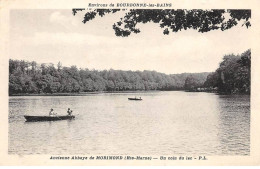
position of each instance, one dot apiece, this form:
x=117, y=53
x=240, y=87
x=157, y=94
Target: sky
x=52, y=36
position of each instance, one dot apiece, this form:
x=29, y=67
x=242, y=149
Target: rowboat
x=138, y=99
x=47, y=118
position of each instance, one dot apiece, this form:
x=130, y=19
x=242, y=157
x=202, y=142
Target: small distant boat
x=139, y=99
x=47, y=118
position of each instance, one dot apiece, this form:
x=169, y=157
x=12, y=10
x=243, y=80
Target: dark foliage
x=29, y=77
x=173, y=20
x=233, y=75
x=194, y=81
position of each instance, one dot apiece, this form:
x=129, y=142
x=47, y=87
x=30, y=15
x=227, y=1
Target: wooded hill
x=30, y=77
x=232, y=77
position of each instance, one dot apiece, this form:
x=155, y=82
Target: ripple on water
x=163, y=123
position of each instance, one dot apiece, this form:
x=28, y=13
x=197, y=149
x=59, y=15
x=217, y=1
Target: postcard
x=129, y=83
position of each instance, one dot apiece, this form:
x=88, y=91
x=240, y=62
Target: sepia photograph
x=129, y=81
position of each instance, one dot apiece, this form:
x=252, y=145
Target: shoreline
x=85, y=93
x=103, y=92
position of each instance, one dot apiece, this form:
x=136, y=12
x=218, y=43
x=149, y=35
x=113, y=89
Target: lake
x=163, y=123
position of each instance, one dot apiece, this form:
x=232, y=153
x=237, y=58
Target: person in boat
x=69, y=112
x=52, y=112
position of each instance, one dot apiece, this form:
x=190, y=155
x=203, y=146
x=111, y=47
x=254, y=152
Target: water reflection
x=234, y=124
x=163, y=123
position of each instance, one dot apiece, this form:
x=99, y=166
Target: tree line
x=30, y=77
x=233, y=75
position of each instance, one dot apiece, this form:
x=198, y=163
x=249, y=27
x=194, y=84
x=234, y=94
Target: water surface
x=164, y=123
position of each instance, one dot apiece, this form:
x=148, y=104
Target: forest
x=232, y=77
x=29, y=77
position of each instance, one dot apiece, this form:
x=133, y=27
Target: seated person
x=52, y=113
x=69, y=112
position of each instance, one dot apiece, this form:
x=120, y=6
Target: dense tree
x=212, y=80
x=233, y=75
x=195, y=81
x=45, y=78
x=173, y=20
